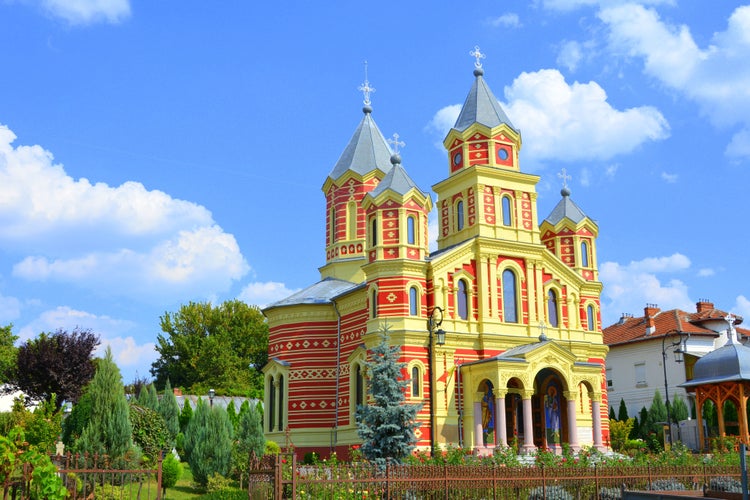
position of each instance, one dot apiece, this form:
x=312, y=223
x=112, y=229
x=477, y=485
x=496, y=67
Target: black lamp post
x=437, y=337
x=677, y=346
x=211, y=394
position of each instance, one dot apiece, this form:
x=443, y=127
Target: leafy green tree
x=186, y=414
x=171, y=472
x=170, y=412
x=204, y=347
x=622, y=412
x=108, y=430
x=150, y=432
x=148, y=397
x=42, y=426
x=619, y=431
x=60, y=363
x=8, y=353
x=75, y=422
x=210, y=444
x=387, y=424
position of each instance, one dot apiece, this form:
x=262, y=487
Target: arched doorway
x=549, y=411
x=488, y=412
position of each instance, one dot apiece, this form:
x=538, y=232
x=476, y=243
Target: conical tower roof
x=396, y=180
x=367, y=150
x=481, y=106
x=566, y=209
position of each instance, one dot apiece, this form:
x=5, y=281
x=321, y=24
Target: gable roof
x=320, y=293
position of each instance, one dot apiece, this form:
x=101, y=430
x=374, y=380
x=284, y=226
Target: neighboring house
x=635, y=368
x=518, y=300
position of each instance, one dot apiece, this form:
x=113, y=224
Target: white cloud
x=742, y=307
x=611, y=170
x=570, y=55
x=10, y=309
x=628, y=288
x=567, y=5
x=716, y=77
x=706, y=271
x=262, y=294
x=81, y=12
x=739, y=146
x=123, y=240
x=507, y=20
x=669, y=178
x=552, y=115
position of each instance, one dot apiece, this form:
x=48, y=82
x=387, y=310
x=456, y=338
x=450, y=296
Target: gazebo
x=720, y=376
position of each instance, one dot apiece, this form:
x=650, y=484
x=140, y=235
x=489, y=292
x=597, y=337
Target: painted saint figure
x=552, y=415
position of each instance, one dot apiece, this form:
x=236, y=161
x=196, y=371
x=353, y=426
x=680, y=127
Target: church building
x=499, y=328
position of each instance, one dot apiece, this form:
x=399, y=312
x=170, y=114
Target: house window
x=507, y=221
x=374, y=231
x=359, y=386
x=460, y=215
x=351, y=215
x=640, y=374
x=411, y=236
x=415, y=379
x=609, y=377
x=463, y=300
x=281, y=403
x=590, y=321
x=552, y=318
x=374, y=303
x=271, y=403
x=413, y=301
x=584, y=254
x=510, y=297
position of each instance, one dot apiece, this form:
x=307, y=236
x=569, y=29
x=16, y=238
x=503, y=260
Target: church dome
x=726, y=364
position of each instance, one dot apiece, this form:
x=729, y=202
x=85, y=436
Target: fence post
x=445, y=480
x=648, y=470
x=158, y=475
x=596, y=481
x=387, y=480
x=294, y=475
x=277, y=484
x=544, y=483
x=494, y=481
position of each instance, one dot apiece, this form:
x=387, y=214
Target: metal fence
x=285, y=478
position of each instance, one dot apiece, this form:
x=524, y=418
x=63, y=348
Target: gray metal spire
x=565, y=209
x=481, y=105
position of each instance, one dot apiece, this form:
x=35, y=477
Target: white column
x=596, y=415
x=478, y=438
x=528, y=425
x=572, y=421
x=501, y=429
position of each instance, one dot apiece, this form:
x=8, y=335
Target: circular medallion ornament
x=457, y=159
x=502, y=153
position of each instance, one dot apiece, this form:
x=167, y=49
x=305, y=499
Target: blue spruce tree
x=386, y=424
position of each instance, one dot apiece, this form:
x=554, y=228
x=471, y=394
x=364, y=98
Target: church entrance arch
x=549, y=410
x=487, y=388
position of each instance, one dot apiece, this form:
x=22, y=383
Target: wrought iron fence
x=285, y=478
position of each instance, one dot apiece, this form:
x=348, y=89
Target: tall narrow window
x=590, y=321
x=411, y=234
x=510, y=297
x=584, y=254
x=359, y=386
x=374, y=231
x=271, y=403
x=506, y=211
x=460, y=215
x=333, y=225
x=552, y=318
x=415, y=392
x=463, y=300
x=281, y=403
x=374, y=303
x=351, y=216
x=413, y=301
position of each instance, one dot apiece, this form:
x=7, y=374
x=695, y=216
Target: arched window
x=552, y=318
x=351, y=215
x=463, y=300
x=590, y=320
x=271, y=403
x=374, y=231
x=460, y=215
x=374, y=303
x=584, y=254
x=415, y=382
x=359, y=386
x=510, y=297
x=507, y=220
x=413, y=301
x=333, y=225
x=281, y=403
x=411, y=230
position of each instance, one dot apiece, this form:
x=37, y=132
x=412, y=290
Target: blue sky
x=154, y=153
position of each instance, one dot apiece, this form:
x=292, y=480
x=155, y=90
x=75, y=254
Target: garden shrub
x=553, y=492
x=610, y=493
x=666, y=485
x=723, y=483
x=272, y=448
x=171, y=472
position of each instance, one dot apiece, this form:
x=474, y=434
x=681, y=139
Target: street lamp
x=211, y=394
x=678, y=347
x=437, y=337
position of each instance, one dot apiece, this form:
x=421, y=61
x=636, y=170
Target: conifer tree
x=622, y=412
x=250, y=437
x=148, y=397
x=195, y=427
x=232, y=414
x=612, y=413
x=185, y=415
x=679, y=410
x=170, y=411
x=386, y=425
x=108, y=430
x=211, y=444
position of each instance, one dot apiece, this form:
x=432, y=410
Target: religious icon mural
x=552, y=414
x=488, y=413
